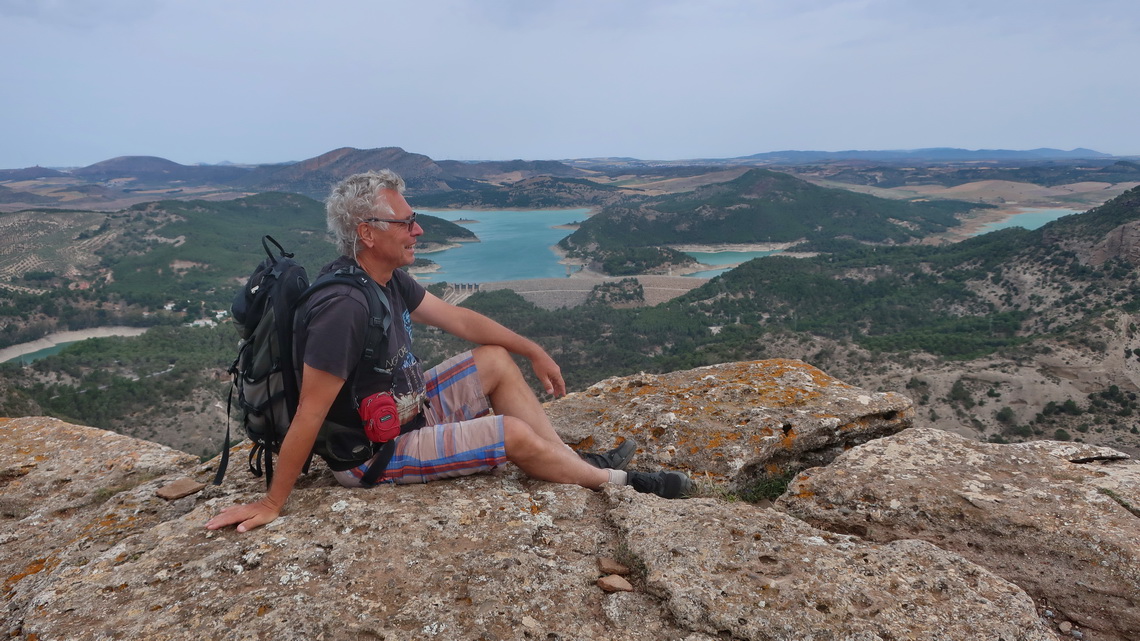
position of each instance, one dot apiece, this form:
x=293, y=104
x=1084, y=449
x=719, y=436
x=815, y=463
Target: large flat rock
x=1060, y=520
x=733, y=571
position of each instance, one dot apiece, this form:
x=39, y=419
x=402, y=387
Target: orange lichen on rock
x=789, y=439
x=35, y=567
x=729, y=419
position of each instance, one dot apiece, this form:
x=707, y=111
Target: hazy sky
x=256, y=81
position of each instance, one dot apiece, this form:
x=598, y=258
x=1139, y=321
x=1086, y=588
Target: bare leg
x=547, y=461
x=509, y=393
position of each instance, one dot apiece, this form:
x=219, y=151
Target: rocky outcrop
x=1121, y=243
x=1058, y=519
x=735, y=423
x=733, y=571
x=103, y=536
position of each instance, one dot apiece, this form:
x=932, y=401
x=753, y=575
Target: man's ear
x=366, y=234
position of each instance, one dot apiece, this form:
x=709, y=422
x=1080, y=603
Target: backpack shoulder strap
x=379, y=309
x=375, y=348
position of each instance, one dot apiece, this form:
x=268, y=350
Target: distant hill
x=509, y=169
x=536, y=192
x=933, y=154
x=151, y=170
x=759, y=206
x=1047, y=174
x=29, y=173
x=314, y=177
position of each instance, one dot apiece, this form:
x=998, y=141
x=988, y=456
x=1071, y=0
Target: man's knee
x=492, y=356
x=519, y=438
x=495, y=366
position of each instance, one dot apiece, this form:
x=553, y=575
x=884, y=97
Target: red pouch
x=380, y=416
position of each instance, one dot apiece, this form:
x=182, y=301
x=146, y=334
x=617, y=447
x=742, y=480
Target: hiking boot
x=615, y=459
x=669, y=485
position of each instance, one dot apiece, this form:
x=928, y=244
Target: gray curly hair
x=354, y=199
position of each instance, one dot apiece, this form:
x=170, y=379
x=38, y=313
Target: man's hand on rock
x=247, y=516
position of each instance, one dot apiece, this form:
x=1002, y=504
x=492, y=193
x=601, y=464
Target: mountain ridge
x=125, y=180
x=934, y=154
x=926, y=153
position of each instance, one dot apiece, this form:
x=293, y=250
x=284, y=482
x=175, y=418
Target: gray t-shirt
x=331, y=331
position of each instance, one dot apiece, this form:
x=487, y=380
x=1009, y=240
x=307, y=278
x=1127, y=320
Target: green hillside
x=760, y=206
x=198, y=250
x=123, y=267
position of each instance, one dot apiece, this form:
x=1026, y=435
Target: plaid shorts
x=461, y=436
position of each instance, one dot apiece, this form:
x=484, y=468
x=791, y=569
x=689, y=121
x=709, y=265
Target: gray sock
x=618, y=477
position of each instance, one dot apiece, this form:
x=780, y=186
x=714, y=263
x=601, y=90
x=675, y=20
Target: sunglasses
x=409, y=221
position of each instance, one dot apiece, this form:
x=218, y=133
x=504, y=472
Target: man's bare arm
x=318, y=391
x=477, y=328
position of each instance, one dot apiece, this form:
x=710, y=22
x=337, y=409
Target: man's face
x=397, y=244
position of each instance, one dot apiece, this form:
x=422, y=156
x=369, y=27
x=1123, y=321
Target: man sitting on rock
x=376, y=231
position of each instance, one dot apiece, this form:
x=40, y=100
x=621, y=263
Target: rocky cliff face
x=893, y=532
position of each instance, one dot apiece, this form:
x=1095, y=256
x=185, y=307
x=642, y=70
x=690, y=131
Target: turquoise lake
x=727, y=259
x=514, y=245
x=1029, y=219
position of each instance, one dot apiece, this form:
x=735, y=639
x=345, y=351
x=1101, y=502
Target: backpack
x=263, y=375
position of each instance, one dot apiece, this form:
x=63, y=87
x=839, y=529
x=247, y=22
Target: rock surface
x=1067, y=532
x=745, y=573
x=735, y=422
x=91, y=551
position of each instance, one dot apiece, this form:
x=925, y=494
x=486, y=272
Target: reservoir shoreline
x=52, y=340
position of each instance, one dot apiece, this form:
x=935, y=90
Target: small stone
x=607, y=565
x=614, y=583
x=1065, y=627
x=178, y=489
